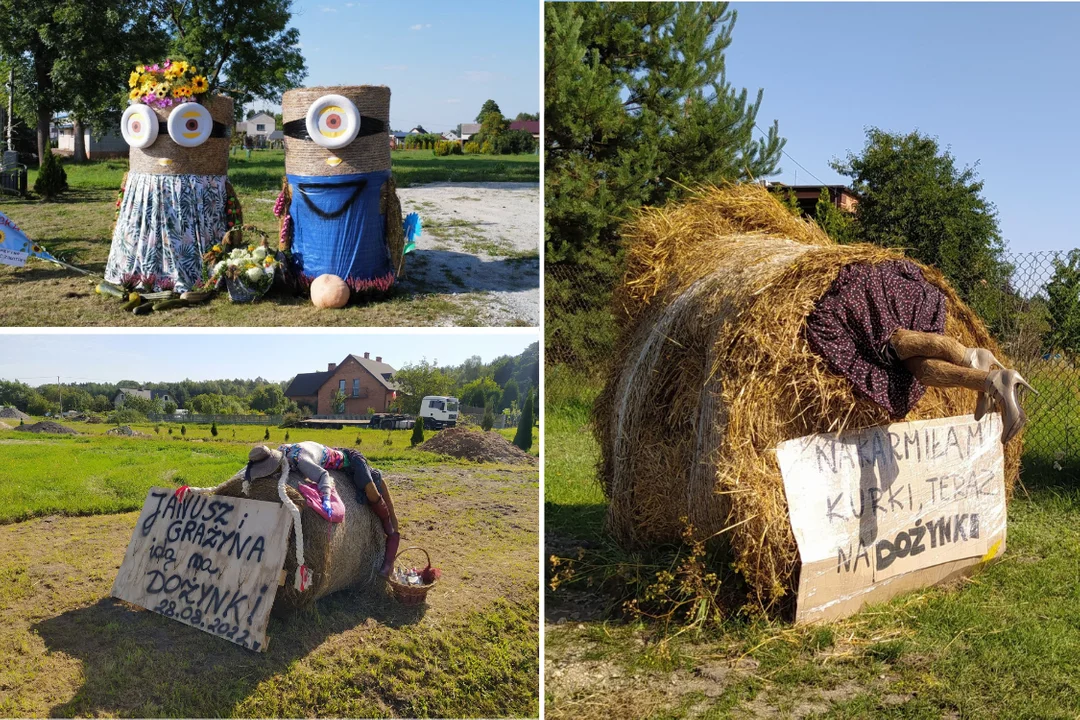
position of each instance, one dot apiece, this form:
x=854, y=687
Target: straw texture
x=349, y=557
x=362, y=155
x=395, y=226
x=712, y=371
x=210, y=158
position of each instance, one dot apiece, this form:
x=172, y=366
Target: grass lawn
x=1004, y=643
x=78, y=229
x=67, y=649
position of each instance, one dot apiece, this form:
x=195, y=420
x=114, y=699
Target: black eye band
x=220, y=130
x=297, y=129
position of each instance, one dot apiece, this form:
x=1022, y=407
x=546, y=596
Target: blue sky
x=441, y=60
x=995, y=81
x=155, y=357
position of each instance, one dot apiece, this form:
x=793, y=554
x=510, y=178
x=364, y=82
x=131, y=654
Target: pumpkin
x=329, y=291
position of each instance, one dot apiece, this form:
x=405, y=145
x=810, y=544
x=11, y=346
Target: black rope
x=302, y=188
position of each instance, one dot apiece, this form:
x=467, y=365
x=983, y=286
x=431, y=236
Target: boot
x=1004, y=387
x=392, y=543
x=982, y=359
x=380, y=508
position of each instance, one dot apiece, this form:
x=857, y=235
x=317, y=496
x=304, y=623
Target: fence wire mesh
x=1034, y=315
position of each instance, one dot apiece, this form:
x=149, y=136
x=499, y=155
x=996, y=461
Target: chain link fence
x=1035, y=316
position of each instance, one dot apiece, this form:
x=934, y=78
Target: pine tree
x=523, y=437
x=266, y=435
x=213, y=429
x=417, y=433
x=51, y=179
x=488, y=420
x=637, y=106
x=183, y=430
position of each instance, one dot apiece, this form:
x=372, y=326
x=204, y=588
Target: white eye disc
x=190, y=124
x=139, y=126
x=332, y=121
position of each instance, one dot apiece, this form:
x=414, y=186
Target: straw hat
x=369, y=151
x=165, y=157
x=263, y=461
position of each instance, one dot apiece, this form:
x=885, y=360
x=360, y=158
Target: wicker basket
x=410, y=594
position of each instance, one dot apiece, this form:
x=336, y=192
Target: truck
x=438, y=412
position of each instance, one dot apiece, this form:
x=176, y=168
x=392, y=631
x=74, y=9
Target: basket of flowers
x=247, y=272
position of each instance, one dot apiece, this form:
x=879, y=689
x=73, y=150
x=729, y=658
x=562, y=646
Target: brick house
x=367, y=383
x=807, y=196
x=530, y=126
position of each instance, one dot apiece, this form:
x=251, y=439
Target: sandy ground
x=480, y=241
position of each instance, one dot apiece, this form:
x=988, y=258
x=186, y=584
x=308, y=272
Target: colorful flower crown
x=170, y=83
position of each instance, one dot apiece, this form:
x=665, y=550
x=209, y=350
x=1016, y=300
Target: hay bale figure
x=339, y=209
x=714, y=370
x=348, y=556
x=175, y=202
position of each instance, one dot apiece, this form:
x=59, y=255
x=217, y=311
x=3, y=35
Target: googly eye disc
x=332, y=121
x=190, y=124
x=139, y=126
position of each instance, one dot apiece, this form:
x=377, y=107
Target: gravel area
x=481, y=242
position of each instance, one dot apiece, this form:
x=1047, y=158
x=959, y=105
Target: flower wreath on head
x=166, y=84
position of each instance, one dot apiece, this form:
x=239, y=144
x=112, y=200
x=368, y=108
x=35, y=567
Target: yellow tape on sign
x=992, y=552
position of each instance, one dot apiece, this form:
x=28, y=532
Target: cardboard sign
x=12, y=257
x=207, y=561
x=888, y=509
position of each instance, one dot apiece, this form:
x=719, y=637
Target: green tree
x=509, y=393
x=417, y=433
x=245, y=47
x=913, y=196
x=266, y=435
x=213, y=429
x=523, y=436
x=636, y=107
x=480, y=392
x=183, y=430
x=417, y=380
x=170, y=407
x=1063, y=305
x=489, y=106
x=488, y=420
x=837, y=224
x=337, y=402
x=527, y=116
x=51, y=179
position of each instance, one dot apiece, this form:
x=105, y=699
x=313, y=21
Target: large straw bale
x=712, y=371
x=349, y=556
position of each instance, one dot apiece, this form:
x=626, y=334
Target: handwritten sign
x=12, y=257
x=208, y=561
x=884, y=510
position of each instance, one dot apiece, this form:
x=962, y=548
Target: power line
x=785, y=152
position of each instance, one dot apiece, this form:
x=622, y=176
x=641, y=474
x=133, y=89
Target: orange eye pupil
x=333, y=122
x=136, y=126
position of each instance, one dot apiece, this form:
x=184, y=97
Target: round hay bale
x=363, y=155
x=712, y=371
x=349, y=557
x=210, y=158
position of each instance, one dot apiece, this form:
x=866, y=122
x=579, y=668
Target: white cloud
x=419, y=26
x=327, y=9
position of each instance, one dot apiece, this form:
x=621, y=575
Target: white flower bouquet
x=248, y=272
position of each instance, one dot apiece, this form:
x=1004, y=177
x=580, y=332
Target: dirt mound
x=126, y=431
x=477, y=446
x=95, y=419
x=4, y=426
x=47, y=426
x=13, y=414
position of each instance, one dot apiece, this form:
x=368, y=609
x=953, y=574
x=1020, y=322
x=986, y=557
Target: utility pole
x=61, y=394
x=11, y=109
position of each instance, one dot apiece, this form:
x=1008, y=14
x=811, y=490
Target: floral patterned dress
x=165, y=224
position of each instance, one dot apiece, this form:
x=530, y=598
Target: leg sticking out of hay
x=713, y=369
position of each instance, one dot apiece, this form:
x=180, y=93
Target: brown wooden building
x=366, y=382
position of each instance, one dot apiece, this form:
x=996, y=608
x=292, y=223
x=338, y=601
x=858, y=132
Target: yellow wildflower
x=133, y=79
x=140, y=68
x=135, y=94
x=199, y=84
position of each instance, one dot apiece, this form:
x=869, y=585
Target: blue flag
x=15, y=247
